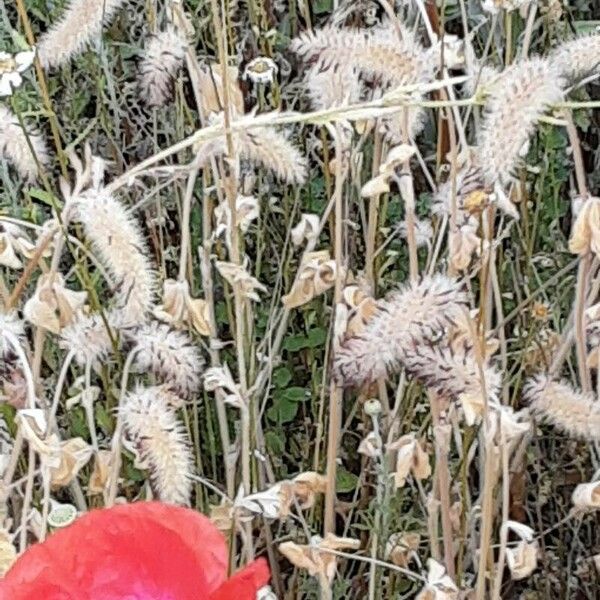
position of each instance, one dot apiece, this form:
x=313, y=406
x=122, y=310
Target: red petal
x=150, y=549
x=244, y=584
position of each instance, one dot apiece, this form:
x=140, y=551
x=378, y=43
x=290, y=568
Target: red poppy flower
x=143, y=551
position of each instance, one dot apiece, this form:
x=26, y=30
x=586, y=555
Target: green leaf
x=345, y=481
x=294, y=394
x=283, y=411
x=275, y=443
x=282, y=376
x=320, y=7
x=317, y=337
x=43, y=196
x=586, y=26
x=295, y=343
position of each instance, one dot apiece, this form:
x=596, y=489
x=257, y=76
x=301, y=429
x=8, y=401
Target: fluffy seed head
x=169, y=355
x=120, y=245
x=420, y=311
x=571, y=411
x=264, y=147
x=163, y=57
x=89, y=338
x=15, y=149
x=385, y=56
x=80, y=25
x=518, y=98
x=577, y=58
x=160, y=439
x=450, y=370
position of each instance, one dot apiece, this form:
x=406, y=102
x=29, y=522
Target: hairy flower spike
x=518, y=98
x=169, y=355
x=163, y=57
x=573, y=412
x=15, y=149
x=451, y=370
x=388, y=57
x=80, y=25
x=420, y=311
x=119, y=243
x=263, y=147
x=161, y=442
x=577, y=58
x=88, y=337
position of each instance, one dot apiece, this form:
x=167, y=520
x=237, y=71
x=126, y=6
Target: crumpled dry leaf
x=307, y=485
x=401, y=548
x=586, y=496
x=371, y=445
x=266, y=503
x=585, y=235
x=53, y=306
x=222, y=516
x=211, y=86
x=439, y=584
x=522, y=559
x=312, y=558
x=463, y=245
x=276, y=502
x=220, y=378
x=236, y=275
x=411, y=458
x=307, y=229
x=247, y=209
x=180, y=309
x=509, y=425
x=98, y=483
x=13, y=241
x=361, y=308
x=74, y=454
x=317, y=273
x=34, y=428
x=395, y=157
x=375, y=187
x=8, y=553
x=473, y=405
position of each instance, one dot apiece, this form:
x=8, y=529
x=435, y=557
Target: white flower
x=261, y=70
x=11, y=67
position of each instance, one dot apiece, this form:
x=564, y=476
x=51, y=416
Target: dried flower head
x=573, y=412
x=120, y=245
x=81, y=24
x=261, y=69
x=15, y=146
x=163, y=57
x=517, y=99
x=161, y=443
x=169, y=355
